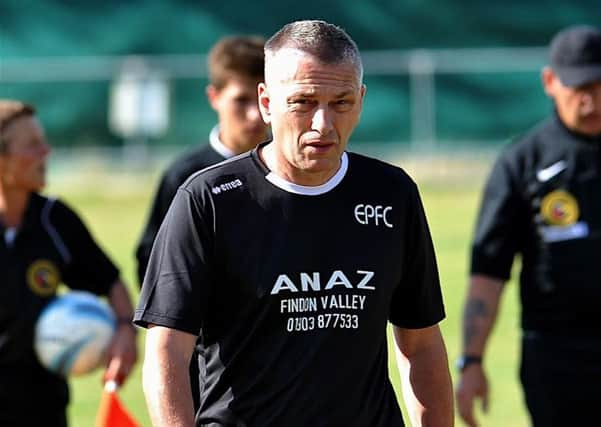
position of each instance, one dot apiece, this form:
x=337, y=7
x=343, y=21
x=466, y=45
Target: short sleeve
x=497, y=229
x=178, y=274
x=417, y=300
x=165, y=192
x=88, y=267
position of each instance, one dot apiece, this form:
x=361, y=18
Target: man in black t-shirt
x=543, y=202
x=236, y=66
x=44, y=244
x=289, y=261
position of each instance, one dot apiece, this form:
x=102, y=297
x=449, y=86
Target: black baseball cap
x=575, y=55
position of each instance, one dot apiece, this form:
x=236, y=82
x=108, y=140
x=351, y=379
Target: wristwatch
x=466, y=360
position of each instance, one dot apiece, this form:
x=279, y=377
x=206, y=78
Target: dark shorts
x=561, y=377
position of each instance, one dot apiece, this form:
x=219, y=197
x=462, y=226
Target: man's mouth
x=320, y=146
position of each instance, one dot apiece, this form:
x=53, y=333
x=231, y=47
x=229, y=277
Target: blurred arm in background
x=479, y=316
x=123, y=353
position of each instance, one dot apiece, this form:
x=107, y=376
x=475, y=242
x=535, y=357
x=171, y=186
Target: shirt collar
x=218, y=145
x=311, y=190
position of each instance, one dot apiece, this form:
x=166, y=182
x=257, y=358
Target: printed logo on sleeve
x=218, y=189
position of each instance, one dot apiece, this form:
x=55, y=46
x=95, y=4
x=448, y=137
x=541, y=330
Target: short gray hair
x=329, y=43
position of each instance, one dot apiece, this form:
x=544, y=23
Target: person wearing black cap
x=543, y=202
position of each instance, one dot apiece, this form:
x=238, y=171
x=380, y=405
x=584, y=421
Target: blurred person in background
x=43, y=244
x=236, y=67
x=543, y=202
x=286, y=264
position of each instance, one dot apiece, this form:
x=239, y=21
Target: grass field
x=114, y=206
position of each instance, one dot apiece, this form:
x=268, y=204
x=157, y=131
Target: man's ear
x=213, y=96
x=363, y=92
x=264, y=100
x=549, y=81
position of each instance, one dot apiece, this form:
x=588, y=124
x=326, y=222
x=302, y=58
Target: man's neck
x=576, y=132
x=12, y=207
x=216, y=142
x=277, y=163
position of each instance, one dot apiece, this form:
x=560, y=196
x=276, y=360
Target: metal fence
x=421, y=67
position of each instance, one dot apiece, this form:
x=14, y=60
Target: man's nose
x=45, y=149
x=587, y=103
x=322, y=120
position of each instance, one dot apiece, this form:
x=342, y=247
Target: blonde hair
x=10, y=110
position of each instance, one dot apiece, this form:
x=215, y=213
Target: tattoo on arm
x=475, y=310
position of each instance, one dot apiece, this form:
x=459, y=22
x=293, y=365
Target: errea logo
x=226, y=186
x=377, y=215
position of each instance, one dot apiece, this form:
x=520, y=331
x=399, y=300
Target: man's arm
x=166, y=379
x=123, y=352
x=479, y=315
x=425, y=378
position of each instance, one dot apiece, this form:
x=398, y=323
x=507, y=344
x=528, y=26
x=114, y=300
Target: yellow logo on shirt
x=43, y=277
x=559, y=208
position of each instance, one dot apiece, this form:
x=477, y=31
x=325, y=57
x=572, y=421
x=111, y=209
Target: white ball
x=73, y=333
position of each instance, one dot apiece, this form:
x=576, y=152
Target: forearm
x=120, y=302
x=167, y=392
x=123, y=352
x=480, y=313
x=425, y=380
x=166, y=380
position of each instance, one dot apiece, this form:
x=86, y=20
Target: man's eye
x=343, y=105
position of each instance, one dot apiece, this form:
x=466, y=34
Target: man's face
x=23, y=164
x=578, y=107
x=313, y=108
x=240, y=122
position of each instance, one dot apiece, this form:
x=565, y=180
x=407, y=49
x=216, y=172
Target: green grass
x=115, y=208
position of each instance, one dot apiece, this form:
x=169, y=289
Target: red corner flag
x=111, y=412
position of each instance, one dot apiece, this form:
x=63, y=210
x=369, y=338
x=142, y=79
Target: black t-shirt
x=174, y=176
x=543, y=201
x=51, y=247
x=290, y=289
